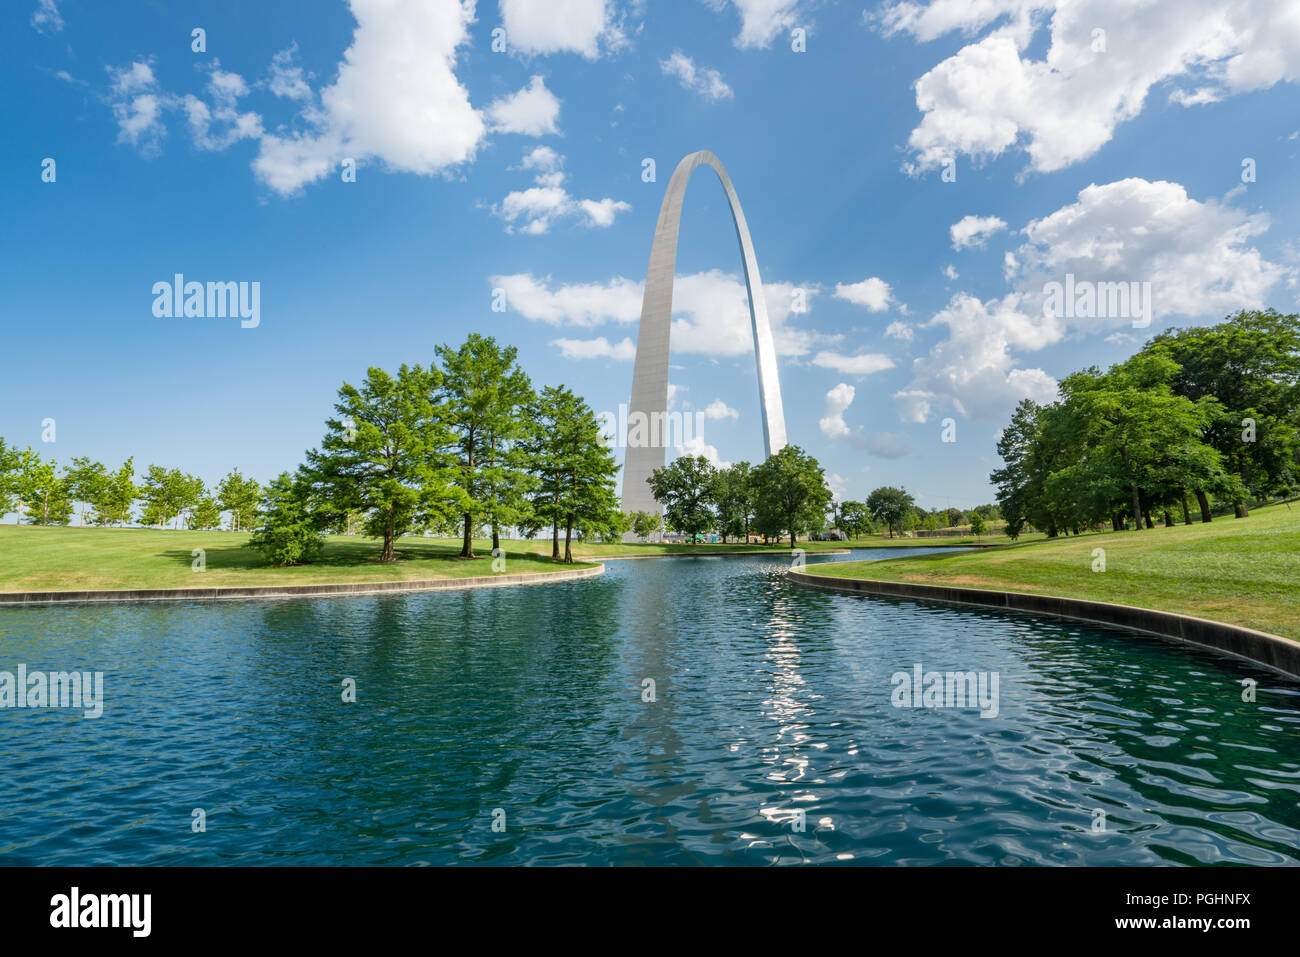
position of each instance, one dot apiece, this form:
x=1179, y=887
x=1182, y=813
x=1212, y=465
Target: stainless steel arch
x=650, y=374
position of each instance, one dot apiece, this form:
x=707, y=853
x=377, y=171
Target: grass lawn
x=72, y=559
x=1241, y=571
x=65, y=559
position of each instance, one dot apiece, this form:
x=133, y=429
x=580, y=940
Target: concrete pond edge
x=1260, y=647
x=320, y=590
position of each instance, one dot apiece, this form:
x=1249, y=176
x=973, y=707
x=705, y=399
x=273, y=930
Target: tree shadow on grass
x=339, y=552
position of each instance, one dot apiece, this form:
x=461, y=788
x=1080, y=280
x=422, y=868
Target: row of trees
x=38, y=492
x=786, y=494
x=1205, y=413
x=895, y=510
x=466, y=443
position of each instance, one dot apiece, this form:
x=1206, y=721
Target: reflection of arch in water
x=650, y=375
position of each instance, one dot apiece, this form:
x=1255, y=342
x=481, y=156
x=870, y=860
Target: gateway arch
x=650, y=376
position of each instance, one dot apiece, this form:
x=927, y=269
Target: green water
x=524, y=707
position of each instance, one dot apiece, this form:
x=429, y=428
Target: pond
x=673, y=711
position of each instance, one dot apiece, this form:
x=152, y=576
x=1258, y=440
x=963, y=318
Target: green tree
x=1250, y=365
x=487, y=397
x=288, y=531
x=1139, y=436
x=573, y=469
x=167, y=494
x=86, y=482
x=44, y=492
x=386, y=454
x=977, y=524
x=645, y=524
x=116, y=496
x=891, y=507
x=685, y=489
x=736, y=499
x=611, y=530
x=239, y=497
x=10, y=469
x=792, y=493
x=206, y=514
x=855, y=519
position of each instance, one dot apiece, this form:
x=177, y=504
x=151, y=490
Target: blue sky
x=1113, y=157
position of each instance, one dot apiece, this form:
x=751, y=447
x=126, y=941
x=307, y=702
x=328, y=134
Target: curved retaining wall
x=295, y=591
x=1260, y=647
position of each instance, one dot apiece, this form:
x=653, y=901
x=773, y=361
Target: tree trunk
x=1239, y=510
x=1137, y=508
x=1147, y=516
x=496, y=538
x=568, y=539
x=1187, y=512
x=1203, y=500
x=1169, y=519
x=467, y=543
x=387, y=554
x=555, y=540
x=1115, y=523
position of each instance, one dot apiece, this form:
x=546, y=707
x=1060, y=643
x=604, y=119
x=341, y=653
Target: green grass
x=74, y=559
x=1240, y=571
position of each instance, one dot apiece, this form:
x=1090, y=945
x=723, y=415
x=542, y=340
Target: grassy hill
x=1241, y=571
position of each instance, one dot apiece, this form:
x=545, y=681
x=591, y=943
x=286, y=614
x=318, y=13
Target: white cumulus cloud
x=874, y=294
x=585, y=27
x=864, y=364
x=706, y=82
x=531, y=111
x=974, y=231
x=396, y=99
x=1100, y=62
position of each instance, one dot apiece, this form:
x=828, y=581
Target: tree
x=611, y=529
x=205, y=514
x=288, y=531
x=891, y=507
x=685, y=488
x=977, y=524
x=116, y=495
x=736, y=499
x=43, y=491
x=239, y=496
x=645, y=524
x=387, y=455
x=486, y=398
x=167, y=493
x=1250, y=365
x=792, y=492
x=86, y=481
x=1139, y=436
x=10, y=461
x=855, y=519
x=573, y=469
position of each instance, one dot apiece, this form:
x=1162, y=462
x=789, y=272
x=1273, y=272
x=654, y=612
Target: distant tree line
x=785, y=496
x=1205, y=415
x=38, y=492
